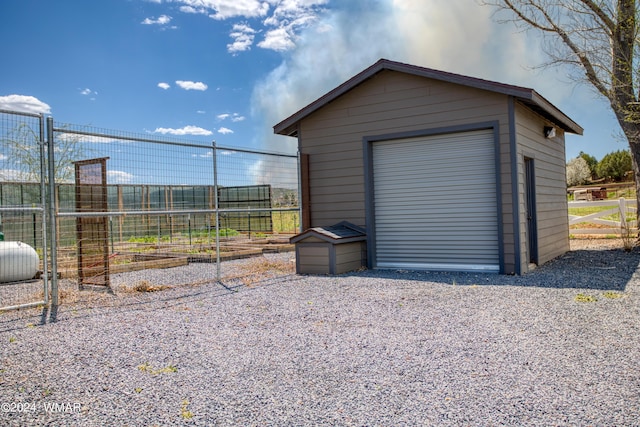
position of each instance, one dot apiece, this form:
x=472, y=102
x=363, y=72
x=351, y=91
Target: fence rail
x=161, y=198
x=619, y=219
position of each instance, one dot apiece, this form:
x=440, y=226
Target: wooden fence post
x=624, y=226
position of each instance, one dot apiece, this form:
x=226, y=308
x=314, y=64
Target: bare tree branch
x=600, y=38
x=600, y=13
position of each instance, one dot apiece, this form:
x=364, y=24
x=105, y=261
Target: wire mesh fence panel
x=172, y=202
x=23, y=238
x=253, y=181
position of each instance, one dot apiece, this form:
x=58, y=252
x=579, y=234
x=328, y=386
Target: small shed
x=335, y=249
x=443, y=171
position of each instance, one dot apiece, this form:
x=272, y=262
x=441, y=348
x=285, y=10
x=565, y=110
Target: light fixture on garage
x=549, y=131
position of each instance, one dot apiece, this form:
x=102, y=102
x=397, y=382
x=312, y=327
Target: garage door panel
x=444, y=258
x=437, y=244
x=454, y=167
x=408, y=181
x=435, y=233
x=422, y=219
x=416, y=229
x=435, y=215
x=435, y=202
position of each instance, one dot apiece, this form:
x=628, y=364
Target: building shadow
x=606, y=270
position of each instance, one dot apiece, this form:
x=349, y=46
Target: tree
x=598, y=39
x=615, y=165
x=578, y=172
x=592, y=162
x=21, y=155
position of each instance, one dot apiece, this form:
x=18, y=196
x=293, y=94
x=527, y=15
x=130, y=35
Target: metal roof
x=343, y=232
x=528, y=97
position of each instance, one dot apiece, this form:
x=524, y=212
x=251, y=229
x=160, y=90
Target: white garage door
x=435, y=202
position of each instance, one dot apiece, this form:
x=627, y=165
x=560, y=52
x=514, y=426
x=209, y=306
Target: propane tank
x=18, y=261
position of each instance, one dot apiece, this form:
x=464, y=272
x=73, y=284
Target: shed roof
x=529, y=97
x=343, y=232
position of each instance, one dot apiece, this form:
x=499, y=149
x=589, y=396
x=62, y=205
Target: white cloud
x=289, y=18
x=187, y=130
x=119, y=177
x=24, y=103
x=295, y=12
x=3, y=157
x=189, y=85
x=191, y=9
x=225, y=9
x=242, y=36
x=279, y=39
x=206, y=155
x=163, y=85
x=74, y=137
x=88, y=92
x=224, y=131
x=283, y=18
x=235, y=117
x=162, y=20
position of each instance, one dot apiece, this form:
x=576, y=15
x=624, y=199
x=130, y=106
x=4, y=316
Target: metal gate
x=159, y=196
x=24, y=239
x=93, y=243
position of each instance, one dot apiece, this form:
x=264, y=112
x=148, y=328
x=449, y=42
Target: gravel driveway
x=559, y=346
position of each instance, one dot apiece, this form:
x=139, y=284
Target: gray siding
x=550, y=179
x=388, y=103
x=349, y=257
x=312, y=258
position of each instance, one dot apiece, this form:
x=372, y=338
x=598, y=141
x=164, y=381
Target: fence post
x=43, y=201
x=215, y=207
x=53, y=211
x=624, y=227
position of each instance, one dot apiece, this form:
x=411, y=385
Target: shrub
x=615, y=165
x=578, y=172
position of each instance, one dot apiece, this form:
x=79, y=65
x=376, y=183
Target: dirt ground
x=595, y=243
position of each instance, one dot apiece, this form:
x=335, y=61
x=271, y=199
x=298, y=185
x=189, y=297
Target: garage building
x=443, y=171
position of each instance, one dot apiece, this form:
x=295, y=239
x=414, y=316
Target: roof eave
x=289, y=126
x=325, y=238
x=555, y=115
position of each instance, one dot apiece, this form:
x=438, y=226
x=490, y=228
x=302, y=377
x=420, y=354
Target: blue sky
x=228, y=70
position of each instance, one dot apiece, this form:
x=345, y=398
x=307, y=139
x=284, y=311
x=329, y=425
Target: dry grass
x=250, y=273
x=258, y=269
x=598, y=242
x=146, y=286
x=71, y=294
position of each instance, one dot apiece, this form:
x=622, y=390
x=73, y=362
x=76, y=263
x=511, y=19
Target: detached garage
x=443, y=171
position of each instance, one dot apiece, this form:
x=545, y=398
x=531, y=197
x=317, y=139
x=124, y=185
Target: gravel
x=558, y=346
